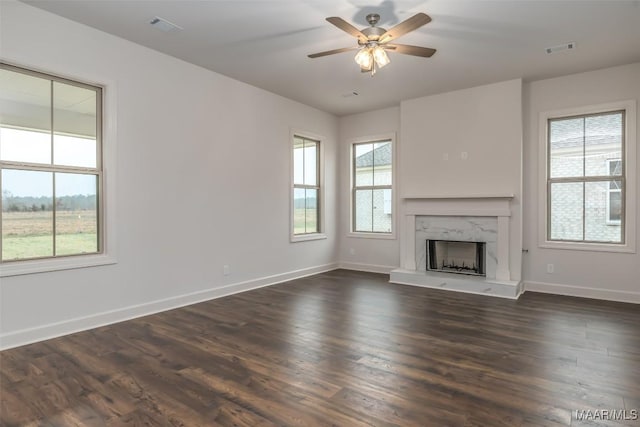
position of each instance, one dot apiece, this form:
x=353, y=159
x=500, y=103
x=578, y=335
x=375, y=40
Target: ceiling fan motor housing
x=372, y=33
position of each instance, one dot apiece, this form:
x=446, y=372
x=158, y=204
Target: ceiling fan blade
x=425, y=52
x=413, y=23
x=331, y=52
x=345, y=26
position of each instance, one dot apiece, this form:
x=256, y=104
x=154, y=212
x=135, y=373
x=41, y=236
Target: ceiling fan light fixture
x=364, y=58
x=380, y=56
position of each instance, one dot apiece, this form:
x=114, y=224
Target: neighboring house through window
x=50, y=166
x=586, y=179
x=372, y=187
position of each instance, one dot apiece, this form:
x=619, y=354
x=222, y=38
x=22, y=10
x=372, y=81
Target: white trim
x=630, y=182
x=293, y=238
x=446, y=211
x=460, y=196
x=382, y=236
x=370, y=268
x=306, y=237
x=65, y=327
x=19, y=268
x=389, y=136
x=109, y=191
x=582, y=292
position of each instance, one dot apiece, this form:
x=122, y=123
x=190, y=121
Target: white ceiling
x=265, y=42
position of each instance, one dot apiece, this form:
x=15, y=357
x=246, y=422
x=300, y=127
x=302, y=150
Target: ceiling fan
x=373, y=42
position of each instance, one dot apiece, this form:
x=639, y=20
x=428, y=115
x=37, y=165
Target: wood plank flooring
x=337, y=349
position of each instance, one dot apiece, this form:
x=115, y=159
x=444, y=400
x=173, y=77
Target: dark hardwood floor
x=337, y=349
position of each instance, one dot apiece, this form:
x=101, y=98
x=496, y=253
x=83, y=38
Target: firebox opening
x=456, y=257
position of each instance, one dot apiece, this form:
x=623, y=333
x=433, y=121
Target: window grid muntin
x=585, y=179
x=305, y=186
x=372, y=187
x=52, y=168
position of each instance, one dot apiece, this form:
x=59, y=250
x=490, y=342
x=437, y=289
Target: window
x=306, y=186
x=50, y=166
x=586, y=178
x=372, y=191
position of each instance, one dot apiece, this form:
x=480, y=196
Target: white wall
x=368, y=253
x=485, y=122
x=590, y=274
x=202, y=181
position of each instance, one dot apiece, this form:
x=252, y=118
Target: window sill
x=383, y=236
x=54, y=264
x=593, y=247
x=307, y=237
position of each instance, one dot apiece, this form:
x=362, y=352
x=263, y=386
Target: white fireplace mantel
x=462, y=205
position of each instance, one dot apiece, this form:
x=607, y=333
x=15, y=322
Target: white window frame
x=364, y=140
x=108, y=200
x=294, y=238
x=630, y=165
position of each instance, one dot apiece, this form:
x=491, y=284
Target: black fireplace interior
x=456, y=257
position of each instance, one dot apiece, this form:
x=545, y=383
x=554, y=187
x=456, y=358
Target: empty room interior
x=304, y=213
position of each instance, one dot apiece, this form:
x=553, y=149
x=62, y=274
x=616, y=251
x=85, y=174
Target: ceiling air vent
x=560, y=47
x=164, y=25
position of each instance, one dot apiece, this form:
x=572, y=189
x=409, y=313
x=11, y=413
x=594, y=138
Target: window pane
x=603, y=141
x=388, y=201
x=74, y=125
x=566, y=144
x=381, y=220
x=598, y=226
x=363, y=164
x=27, y=214
x=22, y=145
x=74, y=151
x=566, y=211
x=614, y=209
x=299, y=203
x=382, y=157
x=298, y=161
x=615, y=167
x=311, y=211
x=76, y=214
x=310, y=163
x=363, y=206
x=25, y=118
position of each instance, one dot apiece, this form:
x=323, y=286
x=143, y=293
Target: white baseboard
x=54, y=330
x=370, y=268
x=579, y=291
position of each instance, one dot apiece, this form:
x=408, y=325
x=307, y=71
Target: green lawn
x=42, y=246
x=302, y=216
x=29, y=234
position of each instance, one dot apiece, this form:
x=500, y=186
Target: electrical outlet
x=226, y=270
x=464, y=155
x=352, y=251
x=550, y=268
x=445, y=156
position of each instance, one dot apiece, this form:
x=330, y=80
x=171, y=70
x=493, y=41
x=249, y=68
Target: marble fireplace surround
x=477, y=218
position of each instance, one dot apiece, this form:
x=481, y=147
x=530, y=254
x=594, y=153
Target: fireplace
x=466, y=219
x=451, y=256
